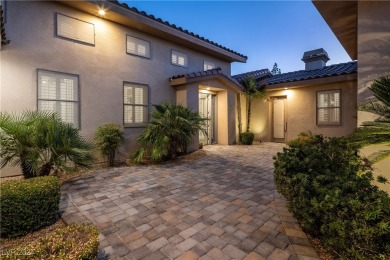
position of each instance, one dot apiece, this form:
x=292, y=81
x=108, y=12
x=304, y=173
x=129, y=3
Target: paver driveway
x=221, y=206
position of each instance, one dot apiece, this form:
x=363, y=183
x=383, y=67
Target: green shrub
x=247, y=138
x=72, y=242
x=40, y=142
x=27, y=205
x=109, y=137
x=328, y=189
x=168, y=133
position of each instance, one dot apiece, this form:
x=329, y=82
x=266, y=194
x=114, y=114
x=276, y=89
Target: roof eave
x=229, y=81
x=124, y=16
x=341, y=17
x=312, y=82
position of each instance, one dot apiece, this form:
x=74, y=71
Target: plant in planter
x=252, y=91
x=109, y=137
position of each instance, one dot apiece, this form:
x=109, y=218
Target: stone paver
x=221, y=206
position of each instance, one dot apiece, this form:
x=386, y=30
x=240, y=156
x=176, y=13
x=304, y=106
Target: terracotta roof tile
x=257, y=74
x=216, y=71
x=327, y=71
x=135, y=10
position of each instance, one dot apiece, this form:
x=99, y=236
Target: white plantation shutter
x=135, y=104
x=328, y=107
x=137, y=46
x=58, y=92
x=179, y=58
x=75, y=29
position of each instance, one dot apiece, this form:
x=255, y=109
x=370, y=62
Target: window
x=208, y=65
x=59, y=92
x=74, y=29
x=179, y=58
x=137, y=47
x=135, y=104
x=328, y=107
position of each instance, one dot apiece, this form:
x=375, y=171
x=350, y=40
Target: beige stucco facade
x=363, y=28
x=103, y=68
x=300, y=109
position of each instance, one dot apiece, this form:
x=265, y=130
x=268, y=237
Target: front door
x=207, y=105
x=279, y=119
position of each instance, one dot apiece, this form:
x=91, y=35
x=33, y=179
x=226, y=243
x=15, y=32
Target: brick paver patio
x=222, y=206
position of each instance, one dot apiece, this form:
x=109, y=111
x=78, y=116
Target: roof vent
x=315, y=59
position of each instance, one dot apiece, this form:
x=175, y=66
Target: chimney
x=315, y=59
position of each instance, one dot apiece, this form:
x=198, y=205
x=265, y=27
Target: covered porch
x=212, y=94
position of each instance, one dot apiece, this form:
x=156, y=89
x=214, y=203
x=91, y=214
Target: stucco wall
x=373, y=47
x=102, y=68
x=301, y=112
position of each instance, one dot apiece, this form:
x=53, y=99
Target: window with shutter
x=137, y=47
x=179, y=58
x=58, y=92
x=329, y=107
x=208, y=65
x=135, y=104
x=75, y=29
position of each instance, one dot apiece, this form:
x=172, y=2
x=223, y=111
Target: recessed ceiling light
x=102, y=12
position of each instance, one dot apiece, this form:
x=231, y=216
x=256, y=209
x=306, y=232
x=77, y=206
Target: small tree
x=275, y=70
x=40, y=143
x=252, y=91
x=169, y=132
x=109, y=137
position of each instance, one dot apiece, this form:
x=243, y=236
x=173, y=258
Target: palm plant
x=252, y=91
x=40, y=143
x=169, y=132
x=378, y=131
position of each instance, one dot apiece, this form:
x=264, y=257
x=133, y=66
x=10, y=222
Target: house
x=363, y=28
x=320, y=99
x=102, y=61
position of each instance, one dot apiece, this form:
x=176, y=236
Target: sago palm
x=378, y=131
x=168, y=134
x=40, y=143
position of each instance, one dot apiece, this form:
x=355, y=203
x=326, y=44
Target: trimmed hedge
x=328, y=189
x=73, y=242
x=27, y=205
x=247, y=138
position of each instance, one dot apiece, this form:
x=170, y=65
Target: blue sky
x=265, y=31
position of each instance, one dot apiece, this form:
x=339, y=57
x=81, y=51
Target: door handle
x=285, y=127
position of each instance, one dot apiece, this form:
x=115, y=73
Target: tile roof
x=327, y=71
x=199, y=74
x=2, y=28
x=135, y=10
x=257, y=74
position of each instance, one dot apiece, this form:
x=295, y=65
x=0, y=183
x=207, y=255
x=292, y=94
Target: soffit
x=341, y=17
x=122, y=14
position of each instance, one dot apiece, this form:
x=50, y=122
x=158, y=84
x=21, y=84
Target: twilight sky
x=265, y=31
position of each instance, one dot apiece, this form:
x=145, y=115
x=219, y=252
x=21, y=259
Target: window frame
x=72, y=39
x=135, y=54
x=209, y=63
x=177, y=64
x=135, y=125
x=339, y=123
x=78, y=101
